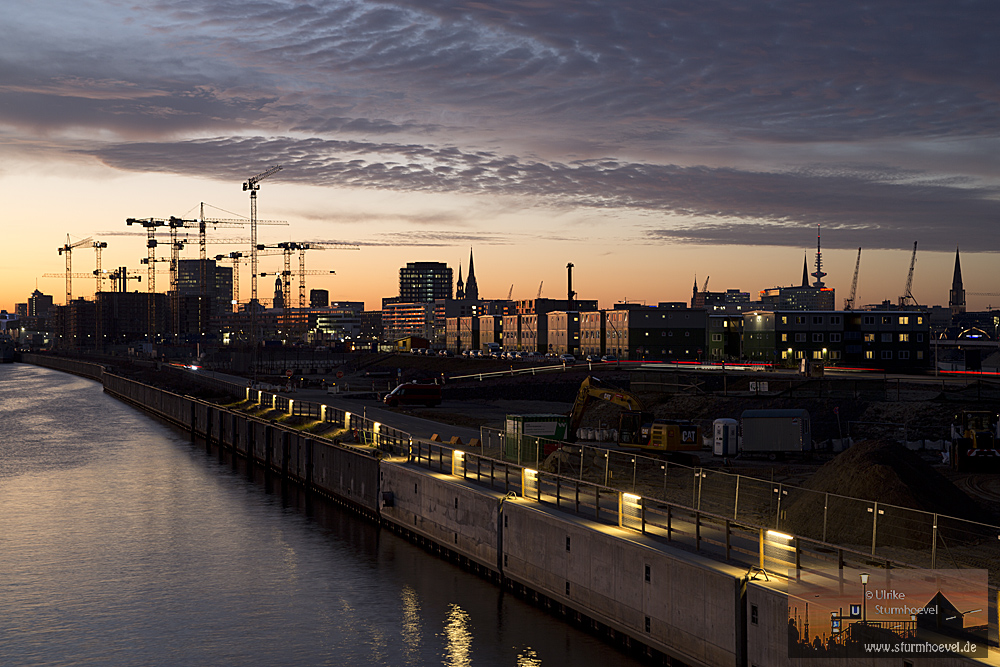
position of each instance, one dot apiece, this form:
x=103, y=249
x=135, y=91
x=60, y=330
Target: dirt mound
x=878, y=472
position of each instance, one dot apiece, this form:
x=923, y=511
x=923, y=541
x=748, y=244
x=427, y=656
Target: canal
x=123, y=543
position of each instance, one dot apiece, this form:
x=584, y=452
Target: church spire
x=805, y=271
x=471, y=288
x=956, y=297
x=460, y=286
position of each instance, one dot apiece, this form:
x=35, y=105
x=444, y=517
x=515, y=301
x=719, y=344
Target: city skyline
x=645, y=143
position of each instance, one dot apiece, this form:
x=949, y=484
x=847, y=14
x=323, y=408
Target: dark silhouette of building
x=279, y=296
x=39, y=304
x=319, y=298
x=471, y=287
x=956, y=297
x=423, y=282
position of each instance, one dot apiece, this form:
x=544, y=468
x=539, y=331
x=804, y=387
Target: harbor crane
x=67, y=249
x=907, y=298
x=849, y=301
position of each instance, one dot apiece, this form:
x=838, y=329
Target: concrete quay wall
x=679, y=604
x=83, y=368
x=440, y=509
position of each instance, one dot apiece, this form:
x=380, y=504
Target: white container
x=726, y=431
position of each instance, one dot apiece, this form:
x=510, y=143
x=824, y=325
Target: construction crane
x=540, y=289
x=98, y=246
x=302, y=247
x=252, y=185
x=120, y=277
x=235, y=259
x=704, y=287
x=907, y=298
x=849, y=301
x=68, y=251
x=150, y=224
x=511, y=292
x=203, y=223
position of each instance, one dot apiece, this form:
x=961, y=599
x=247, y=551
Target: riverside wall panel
x=83, y=368
x=692, y=607
x=458, y=517
x=348, y=474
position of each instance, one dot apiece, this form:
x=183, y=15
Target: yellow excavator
x=975, y=449
x=637, y=429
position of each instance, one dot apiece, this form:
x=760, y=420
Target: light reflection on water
x=122, y=544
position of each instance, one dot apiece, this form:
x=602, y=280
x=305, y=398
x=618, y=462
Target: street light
x=864, y=598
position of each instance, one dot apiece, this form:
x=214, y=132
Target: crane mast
x=252, y=185
x=849, y=301
x=68, y=251
x=907, y=298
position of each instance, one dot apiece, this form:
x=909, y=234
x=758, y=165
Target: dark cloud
x=433, y=239
x=875, y=207
x=766, y=70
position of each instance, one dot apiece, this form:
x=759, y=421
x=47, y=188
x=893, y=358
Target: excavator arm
x=593, y=388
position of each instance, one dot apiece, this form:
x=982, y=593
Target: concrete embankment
x=493, y=518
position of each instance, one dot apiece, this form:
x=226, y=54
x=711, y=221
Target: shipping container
x=773, y=433
x=524, y=433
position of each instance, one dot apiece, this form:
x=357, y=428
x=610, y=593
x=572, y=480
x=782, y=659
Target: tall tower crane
x=203, y=223
x=150, y=224
x=68, y=251
x=235, y=259
x=907, y=298
x=252, y=185
x=849, y=301
x=302, y=247
x=98, y=246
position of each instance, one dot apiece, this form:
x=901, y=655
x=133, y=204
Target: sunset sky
x=646, y=142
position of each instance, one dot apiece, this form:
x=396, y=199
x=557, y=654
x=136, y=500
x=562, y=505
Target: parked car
x=567, y=358
x=609, y=357
x=414, y=394
x=593, y=357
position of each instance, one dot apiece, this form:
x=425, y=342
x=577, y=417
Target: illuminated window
x=904, y=319
x=869, y=338
x=869, y=354
x=904, y=338
x=784, y=338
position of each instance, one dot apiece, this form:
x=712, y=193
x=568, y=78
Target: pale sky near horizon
x=647, y=142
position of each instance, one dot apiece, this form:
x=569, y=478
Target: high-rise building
x=319, y=298
x=423, y=282
x=39, y=304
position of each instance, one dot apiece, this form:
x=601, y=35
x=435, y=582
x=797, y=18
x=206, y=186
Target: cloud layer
x=740, y=123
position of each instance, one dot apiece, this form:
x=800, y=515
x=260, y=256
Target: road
x=374, y=410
